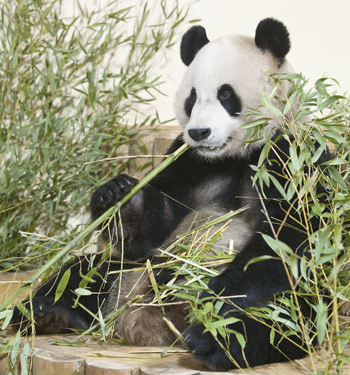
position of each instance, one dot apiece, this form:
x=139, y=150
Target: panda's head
x=223, y=79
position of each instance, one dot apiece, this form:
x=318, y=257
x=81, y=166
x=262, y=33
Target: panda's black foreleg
x=49, y=317
x=145, y=222
x=255, y=283
x=60, y=317
x=108, y=195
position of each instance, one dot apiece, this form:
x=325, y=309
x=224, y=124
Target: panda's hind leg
x=52, y=315
x=145, y=326
x=225, y=354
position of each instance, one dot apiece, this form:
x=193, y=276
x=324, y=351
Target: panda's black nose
x=199, y=134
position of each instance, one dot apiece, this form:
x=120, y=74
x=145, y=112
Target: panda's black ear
x=192, y=41
x=273, y=36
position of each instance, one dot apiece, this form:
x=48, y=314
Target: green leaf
x=24, y=357
x=329, y=101
x=336, y=176
x=293, y=262
x=240, y=338
x=23, y=310
x=258, y=259
x=277, y=246
x=86, y=279
x=83, y=292
x=253, y=124
x=297, y=164
x=310, y=182
x=303, y=268
x=278, y=186
x=321, y=321
x=102, y=323
x=272, y=336
x=290, y=102
x=15, y=58
x=5, y=313
x=61, y=287
x=208, y=307
x=212, y=326
x=15, y=347
x=8, y=318
x=334, y=137
x=272, y=107
x=336, y=161
x=301, y=114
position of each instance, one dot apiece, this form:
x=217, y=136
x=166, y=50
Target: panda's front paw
x=110, y=193
x=207, y=349
x=49, y=317
x=219, y=285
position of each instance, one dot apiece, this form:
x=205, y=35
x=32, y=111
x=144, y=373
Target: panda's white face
x=222, y=81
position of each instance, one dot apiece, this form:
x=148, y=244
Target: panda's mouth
x=213, y=148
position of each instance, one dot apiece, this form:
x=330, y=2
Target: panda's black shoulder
x=184, y=167
x=178, y=142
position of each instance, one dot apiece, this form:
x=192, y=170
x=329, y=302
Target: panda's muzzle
x=199, y=134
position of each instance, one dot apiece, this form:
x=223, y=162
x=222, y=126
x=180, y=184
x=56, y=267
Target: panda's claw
x=110, y=193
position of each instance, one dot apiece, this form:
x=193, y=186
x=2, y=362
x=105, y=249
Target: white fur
x=233, y=60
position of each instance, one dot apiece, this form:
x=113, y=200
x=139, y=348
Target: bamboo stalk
x=111, y=211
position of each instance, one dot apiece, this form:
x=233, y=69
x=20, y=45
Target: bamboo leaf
x=321, y=321
x=277, y=246
x=272, y=107
x=8, y=317
x=220, y=323
x=259, y=259
x=252, y=124
x=83, y=292
x=61, y=287
x=15, y=58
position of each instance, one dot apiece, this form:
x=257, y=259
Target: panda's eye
x=225, y=95
x=229, y=100
x=193, y=94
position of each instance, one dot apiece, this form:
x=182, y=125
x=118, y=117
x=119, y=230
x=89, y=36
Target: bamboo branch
x=110, y=212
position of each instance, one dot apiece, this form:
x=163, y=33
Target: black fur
x=273, y=36
x=230, y=100
x=193, y=40
x=190, y=102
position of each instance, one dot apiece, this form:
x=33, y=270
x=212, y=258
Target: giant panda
x=223, y=78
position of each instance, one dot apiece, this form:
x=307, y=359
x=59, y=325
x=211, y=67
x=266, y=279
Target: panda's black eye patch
x=229, y=100
x=193, y=94
x=190, y=102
